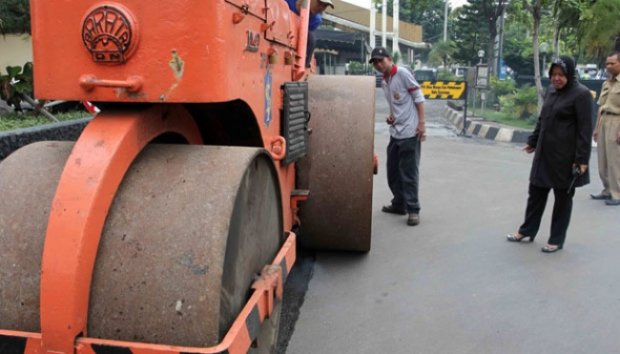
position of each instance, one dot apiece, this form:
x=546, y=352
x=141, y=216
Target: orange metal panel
x=279, y=23
x=183, y=51
x=179, y=51
x=252, y=7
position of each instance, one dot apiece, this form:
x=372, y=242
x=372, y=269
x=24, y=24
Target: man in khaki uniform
x=607, y=134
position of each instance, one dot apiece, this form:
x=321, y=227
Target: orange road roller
x=170, y=225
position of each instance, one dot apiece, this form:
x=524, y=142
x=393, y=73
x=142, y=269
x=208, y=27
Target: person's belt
x=611, y=113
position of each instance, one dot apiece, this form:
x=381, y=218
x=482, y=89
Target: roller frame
x=103, y=153
x=268, y=289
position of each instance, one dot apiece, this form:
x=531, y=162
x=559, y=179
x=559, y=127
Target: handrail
x=299, y=69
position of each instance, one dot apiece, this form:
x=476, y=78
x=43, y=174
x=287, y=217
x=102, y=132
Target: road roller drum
x=338, y=170
x=188, y=232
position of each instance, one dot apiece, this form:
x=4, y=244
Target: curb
x=486, y=131
x=14, y=139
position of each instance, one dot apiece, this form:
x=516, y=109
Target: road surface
x=453, y=284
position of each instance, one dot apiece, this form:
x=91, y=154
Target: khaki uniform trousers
x=609, y=155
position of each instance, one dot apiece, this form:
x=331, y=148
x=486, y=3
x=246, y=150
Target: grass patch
x=507, y=119
x=13, y=121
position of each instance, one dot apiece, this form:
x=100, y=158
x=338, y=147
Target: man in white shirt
x=407, y=131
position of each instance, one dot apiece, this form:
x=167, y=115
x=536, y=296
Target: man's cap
x=378, y=53
x=328, y=2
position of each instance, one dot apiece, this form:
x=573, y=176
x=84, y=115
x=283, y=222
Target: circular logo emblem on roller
x=110, y=33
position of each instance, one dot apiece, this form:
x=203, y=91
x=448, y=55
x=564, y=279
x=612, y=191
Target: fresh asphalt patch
x=295, y=290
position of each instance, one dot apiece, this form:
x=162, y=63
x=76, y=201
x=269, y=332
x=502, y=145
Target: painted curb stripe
x=502, y=134
x=477, y=128
x=520, y=136
x=492, y=133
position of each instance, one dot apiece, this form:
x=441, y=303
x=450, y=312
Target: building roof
x=361, y=16
x=346, y=38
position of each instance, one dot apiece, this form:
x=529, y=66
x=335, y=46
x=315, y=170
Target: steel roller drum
x=28, y=179
x=338, y=169
x=188, y=230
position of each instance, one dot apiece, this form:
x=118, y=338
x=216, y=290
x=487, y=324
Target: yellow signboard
x=443, y=90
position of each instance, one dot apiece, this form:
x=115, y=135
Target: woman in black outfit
x=562, y=143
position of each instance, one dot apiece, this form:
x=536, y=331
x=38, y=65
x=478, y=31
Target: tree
x=600, y=27
x=487, y=12
x=518, y=46
x=565, y=13
x=441, y=53
x=534, y=7
x=427, y=13
x=14, y=16
x=468, y=36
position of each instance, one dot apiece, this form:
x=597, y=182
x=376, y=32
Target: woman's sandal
x=551, y=248
x=515, y=238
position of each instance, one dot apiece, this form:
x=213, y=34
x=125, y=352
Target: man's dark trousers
x=562, y=208
x=403, y=162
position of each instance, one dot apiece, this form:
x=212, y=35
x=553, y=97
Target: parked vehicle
x=425, y=75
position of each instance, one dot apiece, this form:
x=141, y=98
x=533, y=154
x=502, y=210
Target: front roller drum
x=188, y=231
x=338, y=169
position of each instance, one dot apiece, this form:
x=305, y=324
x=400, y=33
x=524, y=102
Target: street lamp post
x=445, y=21
x=480, y=55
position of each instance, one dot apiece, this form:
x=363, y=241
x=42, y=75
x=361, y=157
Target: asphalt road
x=453, y=284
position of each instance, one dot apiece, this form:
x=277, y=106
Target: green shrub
x=507, y=103
x=17, y=82
x=526, y=100
x=18, y=120
x=502, y=87
x=522, y=103
x=446, y=75
x=357, y=68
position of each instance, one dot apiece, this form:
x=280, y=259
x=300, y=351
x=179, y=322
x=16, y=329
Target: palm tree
x=441, y=53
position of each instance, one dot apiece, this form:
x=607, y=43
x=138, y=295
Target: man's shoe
x=600, y=196
x=393, y=210
x=613, y=202
x=413, y=219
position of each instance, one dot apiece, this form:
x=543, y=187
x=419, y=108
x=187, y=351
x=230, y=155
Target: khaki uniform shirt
x=610, y=96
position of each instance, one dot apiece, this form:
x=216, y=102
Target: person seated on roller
x=317, y=7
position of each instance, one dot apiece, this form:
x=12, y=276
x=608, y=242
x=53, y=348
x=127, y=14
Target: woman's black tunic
x=563, y=136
